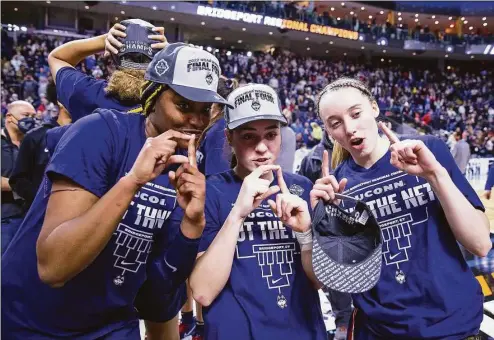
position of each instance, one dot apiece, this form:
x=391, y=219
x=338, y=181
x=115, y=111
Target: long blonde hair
x=339, y=153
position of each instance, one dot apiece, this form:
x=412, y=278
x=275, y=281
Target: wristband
x=304, y=239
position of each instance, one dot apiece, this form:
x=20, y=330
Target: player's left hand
x=292, y=210
x=411, y=156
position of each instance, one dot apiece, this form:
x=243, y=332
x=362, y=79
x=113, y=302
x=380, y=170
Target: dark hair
x=150, y=92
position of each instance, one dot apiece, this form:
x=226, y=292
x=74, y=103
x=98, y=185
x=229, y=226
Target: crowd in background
x=445, y=103
x=307, y=11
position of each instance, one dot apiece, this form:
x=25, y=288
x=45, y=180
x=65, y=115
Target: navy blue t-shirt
x=95, y=152
x=82, y=94
x=212, y=156
x=268, y=294
x=426, y=289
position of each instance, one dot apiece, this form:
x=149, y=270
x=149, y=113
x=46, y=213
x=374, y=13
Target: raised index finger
x=390, y=134
x=192, y=152
x=281, y=182
x=325, y=164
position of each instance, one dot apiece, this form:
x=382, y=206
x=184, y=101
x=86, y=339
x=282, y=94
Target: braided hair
x=150, y=92
x=340, y=154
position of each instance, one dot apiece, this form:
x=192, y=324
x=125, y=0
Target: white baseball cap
x=253, y=102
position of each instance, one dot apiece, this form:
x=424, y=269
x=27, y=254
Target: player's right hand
x=112, y=45
x=326, y=186
x=254, y=190
x=156, y=155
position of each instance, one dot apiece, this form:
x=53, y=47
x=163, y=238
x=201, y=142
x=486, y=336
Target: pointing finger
x=192, y=152
x=390, y=134
x=325, y=164
x=281, y=182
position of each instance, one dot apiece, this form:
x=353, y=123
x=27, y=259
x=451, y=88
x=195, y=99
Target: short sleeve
x=78, y=92
x=212, y=213
x=85, y=154
x=444, y=156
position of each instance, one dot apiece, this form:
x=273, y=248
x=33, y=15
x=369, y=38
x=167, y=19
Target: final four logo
x=256, y=105
x=161, y=67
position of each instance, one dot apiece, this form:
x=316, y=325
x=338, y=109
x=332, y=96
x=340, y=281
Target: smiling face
x=350, y=119
x=256, y=143
x=172, y=111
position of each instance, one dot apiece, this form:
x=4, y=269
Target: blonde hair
x=339, y=153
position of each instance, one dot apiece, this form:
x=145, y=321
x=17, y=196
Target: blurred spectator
x=461, y=153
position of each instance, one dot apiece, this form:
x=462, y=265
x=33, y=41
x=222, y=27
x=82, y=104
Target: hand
x=113, y=45
x=326, y=186
x=190, y=184
x=290, y=209
x=411, y=156
x=156, y=155
x=487, y=194
x=254, y=190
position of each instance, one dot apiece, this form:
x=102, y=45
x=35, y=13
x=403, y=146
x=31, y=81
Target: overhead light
x=308, y=48
x=249, y=54
x=209, y=49
x=16, y=9
x=240, y=41
x=344, y=54
x=331, y=42
x=216, y=51
x=173, y=6
x=472, y=57
x=484, y=24
x=172, y=19
x=122, y=12
x=433, y=17
x=384, y=51
x=470, y=28
x=23, y=28
x=449, y=67
x=361, y=38
x=228, y=53
x=399, y=19
x=382, y=59
x=414, y=53
x=327, y=51
x=389, y=60
x=362, y=8
x=338, y=18
x=450, y=18
x=446, y=56
x=116, y=18
x=436, y=22
x=399, y=13
x=306, y=38
x=484, y=19
x=244, y=29
x=343, y=4
x=382, y=12
x=154, y=8
x=203, y=23
x=217, y=38
x=270, y=33
x=416, y=20
x=449, y=49
x=401, y=25
x=352, y=13
x=363, y=47
x=462, y=18
x=451, y=26
x=48, y=1
x=416, y=15
x=86, y=7
x=370, y=16
x=332, y=9
x=465, y=22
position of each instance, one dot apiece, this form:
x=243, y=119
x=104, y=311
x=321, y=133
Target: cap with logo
x=136, y=51
x=253, y=102
x=346, y=248
x=191, y=72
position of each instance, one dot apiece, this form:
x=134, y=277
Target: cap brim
x=235, y=124
x=199, y=95
x=345, y=278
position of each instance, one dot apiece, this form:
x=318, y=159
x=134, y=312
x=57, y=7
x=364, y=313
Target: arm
x=77, y=227
x=5, y=184
x=21, y=180
x=208, y=277
x=73, y=52
x=469, y=225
